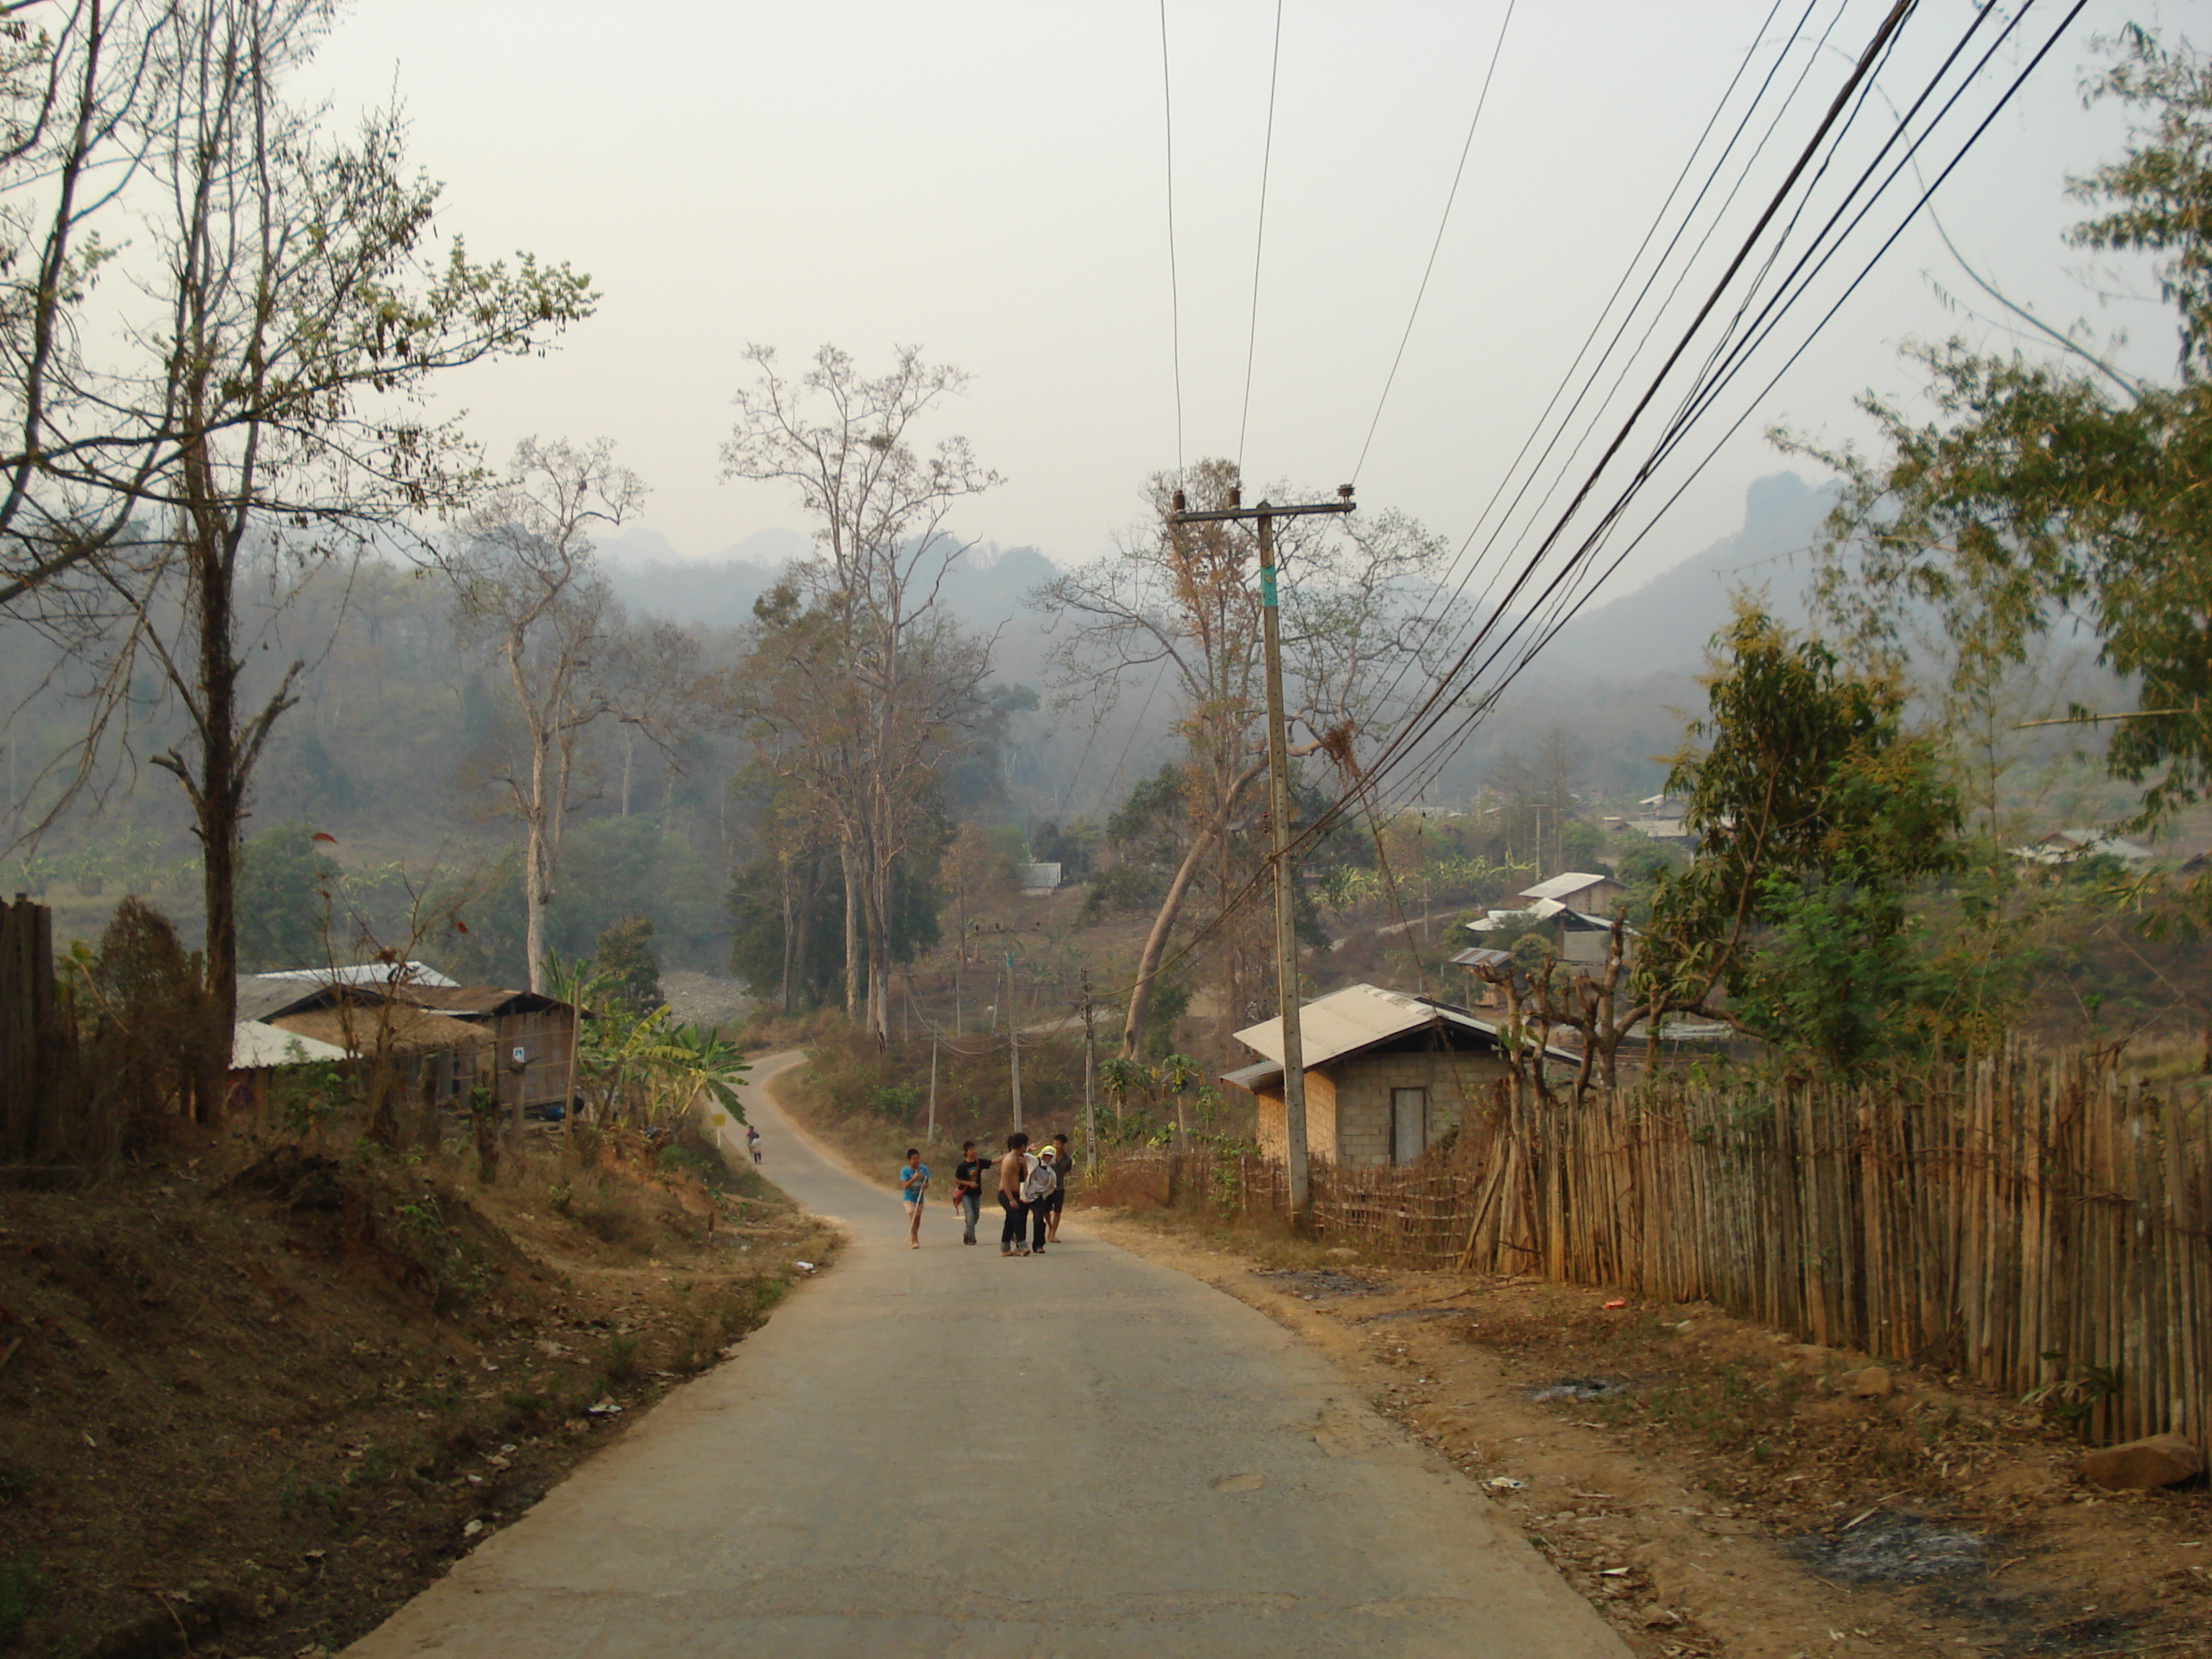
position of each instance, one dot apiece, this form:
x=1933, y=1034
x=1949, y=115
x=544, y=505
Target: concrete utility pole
x=1279, y=775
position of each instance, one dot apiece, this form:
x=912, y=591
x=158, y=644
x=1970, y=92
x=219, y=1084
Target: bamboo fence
x=2035, y=1222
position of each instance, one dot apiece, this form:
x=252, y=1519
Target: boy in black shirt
x=967, y=1188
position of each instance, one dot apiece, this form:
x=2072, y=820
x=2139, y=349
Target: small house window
x=1409, y=1125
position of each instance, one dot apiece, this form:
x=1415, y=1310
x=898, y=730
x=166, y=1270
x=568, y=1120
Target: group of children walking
x=1031, y=1186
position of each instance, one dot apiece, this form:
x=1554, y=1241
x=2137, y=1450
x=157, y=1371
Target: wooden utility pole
x=1279, y=775
x=931, y=1138
x=1089, y=1107
x=1013, y=1039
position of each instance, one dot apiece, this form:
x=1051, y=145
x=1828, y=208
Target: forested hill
x=989, y=585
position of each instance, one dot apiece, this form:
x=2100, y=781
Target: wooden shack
x=1386, y=1073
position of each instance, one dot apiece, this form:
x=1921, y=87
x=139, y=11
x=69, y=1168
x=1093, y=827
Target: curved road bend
x=941, y=1452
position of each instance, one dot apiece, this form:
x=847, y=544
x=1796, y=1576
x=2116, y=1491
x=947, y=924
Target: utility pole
x=1013, y=1038
x=1278, y=774
x=930, y=1139
x=1089, y=1106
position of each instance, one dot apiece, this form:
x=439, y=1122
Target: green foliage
x=1070, y=846
x=623, y=958
x=285, y=891
x=1580, y=844
x=756, y=910
x=641, y=1067
x=1125, y=888
x=754, y=905
x=2051, y=491
x=1816, y=816
x=22, y=1594
x=621, y=1358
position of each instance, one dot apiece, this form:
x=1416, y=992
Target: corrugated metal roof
x=404, y=1029
x=363, y=973
x=1361, y=1016
x=260, y=998
x=472, y=1001
x=1481, y=956
x=1344, y=1022
x=254, y=1045
x=1562, y=886
x=1249, y=1078
x=1038, y=878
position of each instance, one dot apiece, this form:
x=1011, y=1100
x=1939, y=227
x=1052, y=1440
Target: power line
x=1674, y=436
x=1259, y=236
x=1436, y=246
x=1175, y=292
x=1597, y=326
x=1428, y=717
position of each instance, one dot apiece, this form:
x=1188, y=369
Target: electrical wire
x=1673, y=439
x=1425, y=719
x=1259, y=237
x=1442, y=613
x=1435, y=247
x=1175, y=291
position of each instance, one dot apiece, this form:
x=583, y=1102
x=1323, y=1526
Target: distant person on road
x=913, y=1183
x=752, y=1142
x=1037, y=1190
x=1063, y=1167
x=968, y=1189
x=1013, y=1174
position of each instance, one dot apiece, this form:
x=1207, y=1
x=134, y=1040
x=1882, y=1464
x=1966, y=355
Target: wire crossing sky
x=988, y=181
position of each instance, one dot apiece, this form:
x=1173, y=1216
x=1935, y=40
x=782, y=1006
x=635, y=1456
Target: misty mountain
x=1664, y=624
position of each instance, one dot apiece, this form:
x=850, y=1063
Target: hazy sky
x=988, y=181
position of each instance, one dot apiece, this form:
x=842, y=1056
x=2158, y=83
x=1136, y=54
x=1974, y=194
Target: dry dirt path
x=942, y=1452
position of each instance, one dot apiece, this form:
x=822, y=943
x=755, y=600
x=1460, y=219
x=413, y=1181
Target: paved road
x=941, y=1452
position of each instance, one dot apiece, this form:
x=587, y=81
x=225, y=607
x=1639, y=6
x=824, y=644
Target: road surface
x=941, y=1452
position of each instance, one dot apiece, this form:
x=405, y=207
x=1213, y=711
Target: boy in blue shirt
x=913, y=1182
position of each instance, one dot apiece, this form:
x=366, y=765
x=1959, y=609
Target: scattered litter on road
x=1616, y=1302
x=605, y=1408
x=804, y=1266
x=1505, y=1483
x=472, y=1529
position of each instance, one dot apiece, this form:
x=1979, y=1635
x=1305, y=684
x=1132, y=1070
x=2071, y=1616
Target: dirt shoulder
x=253, y=1398
x=1716, y=1488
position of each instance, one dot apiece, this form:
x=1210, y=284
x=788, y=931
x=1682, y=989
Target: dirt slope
x=252, y=1399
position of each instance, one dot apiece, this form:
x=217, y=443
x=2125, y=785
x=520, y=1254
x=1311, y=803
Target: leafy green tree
x=624, y=958
x=1818, y=816
x=2059, y=489
x=285, y=889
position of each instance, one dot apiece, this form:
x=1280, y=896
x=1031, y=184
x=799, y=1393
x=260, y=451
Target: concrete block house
x=1387, y=1074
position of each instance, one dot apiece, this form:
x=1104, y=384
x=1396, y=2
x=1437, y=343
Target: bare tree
x=1188, y=601
x=526, y=583
x=897, y=681
x=259, y=383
